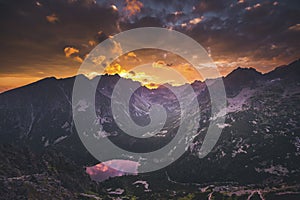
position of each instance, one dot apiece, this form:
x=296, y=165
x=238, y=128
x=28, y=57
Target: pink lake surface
x=112, y=168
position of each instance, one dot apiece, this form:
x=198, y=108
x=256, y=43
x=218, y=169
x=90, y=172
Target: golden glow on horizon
x=160, y=64
x=153, y=67
x=65, y=34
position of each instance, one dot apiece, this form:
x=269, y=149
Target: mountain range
x=256, y=157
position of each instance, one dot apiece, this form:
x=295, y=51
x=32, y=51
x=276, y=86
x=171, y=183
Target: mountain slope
x=260, y=142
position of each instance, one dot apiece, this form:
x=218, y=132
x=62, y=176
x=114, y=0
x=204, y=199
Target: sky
x=44, y=38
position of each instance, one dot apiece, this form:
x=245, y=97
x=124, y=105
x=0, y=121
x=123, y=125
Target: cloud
x=52, y=18
x=131, y=54
x=133, y=7
x=151, y=85
x=114, y=69
x=116, y=48
x=78, y=59
x=114, y=7
x=132, y=73
x=253, y=7
x=196, y=20
x=70, y=51
x=257, y=5
x=98, y=60
x=92, y=43
x=159, y=64
x=295, y=27
x=38, y=4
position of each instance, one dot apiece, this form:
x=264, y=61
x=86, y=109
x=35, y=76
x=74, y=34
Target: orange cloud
x=70, y=51
x=131, y=54
x=133, y=7
x=142, y=77
x=52, y=18
x=116, y=48
x=78, y=59
x=98, y=60
x=255, y=6
x=183, y=25
x=92, y=43
x=151, y=85
x=196, y=20
x=159, y=64
x=114, y=69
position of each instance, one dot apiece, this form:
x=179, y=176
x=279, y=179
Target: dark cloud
x=228, y=28
x=260, y=33
x=143, y=22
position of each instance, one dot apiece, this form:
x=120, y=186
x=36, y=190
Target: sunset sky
x=52, y=37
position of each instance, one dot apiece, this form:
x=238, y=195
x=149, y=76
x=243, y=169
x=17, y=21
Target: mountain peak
x=241, y=78
x=243, y=71
x=288, y=72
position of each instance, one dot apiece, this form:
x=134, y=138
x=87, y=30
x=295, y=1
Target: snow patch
x=276, y=170
x=223, y=125
x=101, y=134
x=236, y=103
x=60, y=139
x=82, y=105
x=117, y=191
x=66, y=125
x=240, y=150
x=46, y=143
x=144, y=183
x=297, y=145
